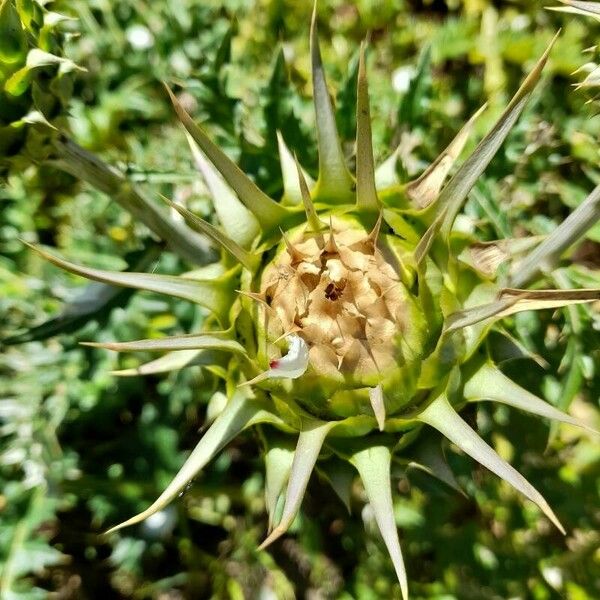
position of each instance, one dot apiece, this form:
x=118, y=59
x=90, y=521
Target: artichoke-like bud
x=35, y=79
x=345, y=296
x=351, y=315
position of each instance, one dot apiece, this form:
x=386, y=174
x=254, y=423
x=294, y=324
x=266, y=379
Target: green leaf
x=239, y=223
x=239, y=414
x=335, y=183
x=412, y=104
x=193, y=341
x=504, y=347
x=268, y=213
x=291, y=184
x=345, y=99
x=13, y=42
x=440, y=415
x=173, y=361
x=215, y=294
x=373, y=465
x=27, y=12
x=278, y=464
x=366, y=194
x=307, y=451
x=247, y=259
x=279, y=101
x=489, y=383
x=428, y=456
x=453, y=195
x=94, y=303
x=36, y=59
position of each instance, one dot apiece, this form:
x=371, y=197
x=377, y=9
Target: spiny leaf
x=547, y=254
x=85, y=166
x=424, y=190
x=212, y=341
x=307, y=451
x=373, y=465
x=244, y=257
x=239, y=223
x=311, y=214
x=335, y=182
x=239, y=414
x=591, y=80
x=440, y=415
x=94, y=303
x=366, y=194
x=579, y=7
x=173, y=361
x=511, y=301
x=278, y=464
x=291, y=185
x=213, y=294
x=268, y=213
x=378, y=405
x=425, y=243
x=453, y=195
x=489, y=383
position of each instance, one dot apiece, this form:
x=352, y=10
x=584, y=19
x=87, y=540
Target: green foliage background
x=81, y=449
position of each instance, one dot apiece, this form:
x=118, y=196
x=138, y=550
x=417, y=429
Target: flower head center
x=339, y=293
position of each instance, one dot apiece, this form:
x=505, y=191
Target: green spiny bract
x=35, y=80
x=352, y=313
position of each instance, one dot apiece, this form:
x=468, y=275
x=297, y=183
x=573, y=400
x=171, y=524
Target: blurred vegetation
x=81, y=449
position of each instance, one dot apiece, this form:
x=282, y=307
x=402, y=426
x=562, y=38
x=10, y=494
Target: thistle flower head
x=344, y=297
x=350, y=314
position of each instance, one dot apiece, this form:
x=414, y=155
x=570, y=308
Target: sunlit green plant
x=35, y=79
x=352, y=314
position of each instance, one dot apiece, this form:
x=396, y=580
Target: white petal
x=290, y=366
x=294, y=363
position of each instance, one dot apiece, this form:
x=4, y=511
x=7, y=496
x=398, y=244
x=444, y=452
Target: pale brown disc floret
x=338, y=292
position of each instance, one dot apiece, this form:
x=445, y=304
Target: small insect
x=334, y=290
